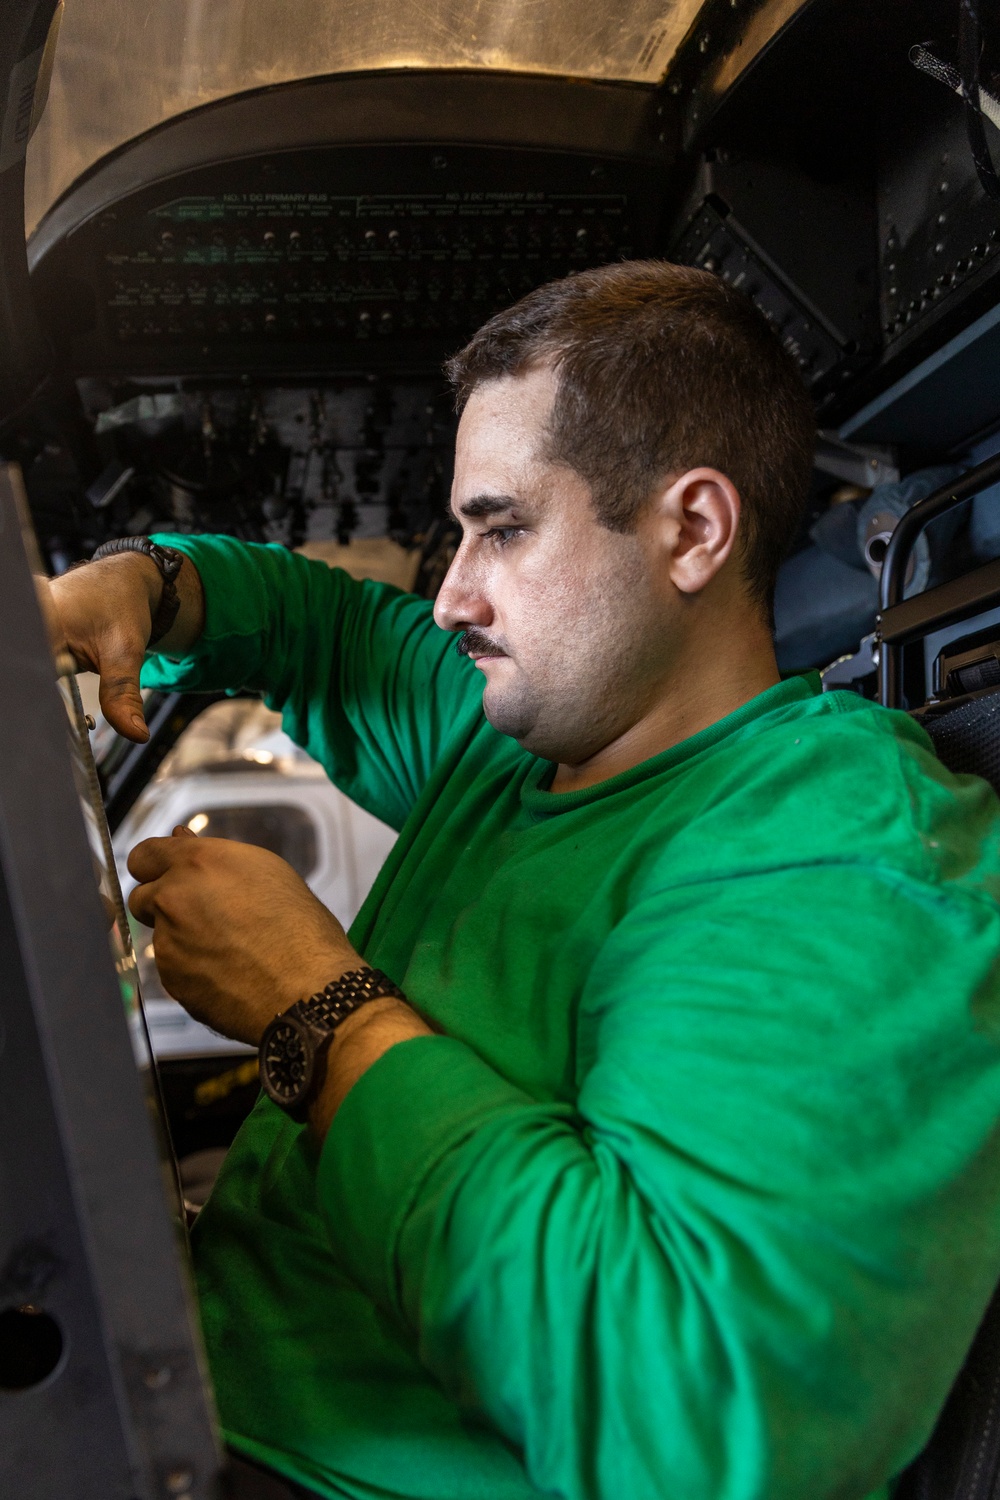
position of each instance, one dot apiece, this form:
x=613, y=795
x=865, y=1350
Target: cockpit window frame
x=125, y=67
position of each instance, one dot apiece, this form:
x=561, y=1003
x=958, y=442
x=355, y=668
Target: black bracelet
x=169, y=562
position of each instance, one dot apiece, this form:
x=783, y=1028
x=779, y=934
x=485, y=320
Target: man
x=671, y=1168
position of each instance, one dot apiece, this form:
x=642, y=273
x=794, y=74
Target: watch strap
x=329, y=1007
x=169, y=562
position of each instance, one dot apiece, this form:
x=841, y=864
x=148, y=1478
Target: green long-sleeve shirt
x=698, y=1195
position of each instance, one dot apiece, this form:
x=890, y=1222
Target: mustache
x=475, y=642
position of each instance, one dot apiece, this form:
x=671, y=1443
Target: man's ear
x=698, y=515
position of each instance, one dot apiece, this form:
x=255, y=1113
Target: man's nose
x=460, y=600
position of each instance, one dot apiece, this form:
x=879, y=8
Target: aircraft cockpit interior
x=238, y=241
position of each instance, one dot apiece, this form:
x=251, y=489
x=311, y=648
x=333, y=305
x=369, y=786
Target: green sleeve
x=362, y=676
x=747, y=1262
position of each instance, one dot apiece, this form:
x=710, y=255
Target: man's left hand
x=239, y=937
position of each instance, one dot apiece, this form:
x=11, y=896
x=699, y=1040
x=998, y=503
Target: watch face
x=286, y=1062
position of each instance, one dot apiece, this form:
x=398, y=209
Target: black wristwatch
x=168, y=560
x=292, y=1056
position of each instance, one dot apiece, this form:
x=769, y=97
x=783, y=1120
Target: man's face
x=568, y=622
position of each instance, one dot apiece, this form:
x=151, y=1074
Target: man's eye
x=503, y=534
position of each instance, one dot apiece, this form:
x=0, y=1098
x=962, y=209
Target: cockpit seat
x=962, y=1459
x=967, y=737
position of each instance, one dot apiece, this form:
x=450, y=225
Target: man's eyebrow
x=486, y=505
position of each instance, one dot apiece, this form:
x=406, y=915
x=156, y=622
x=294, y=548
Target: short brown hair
x=662, y=368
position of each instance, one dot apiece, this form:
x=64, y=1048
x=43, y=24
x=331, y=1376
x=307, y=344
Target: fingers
x=149, y=862
x=153, y=858
x=142, y=903
x=121, y=700
x=101, y=615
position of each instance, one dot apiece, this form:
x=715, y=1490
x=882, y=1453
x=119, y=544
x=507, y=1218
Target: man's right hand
x=103, y=615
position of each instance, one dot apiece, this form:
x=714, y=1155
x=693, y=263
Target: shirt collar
x=537, y=799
